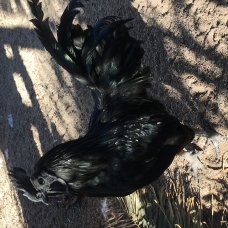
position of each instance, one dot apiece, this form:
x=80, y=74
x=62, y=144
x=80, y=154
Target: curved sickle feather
x=47, y=38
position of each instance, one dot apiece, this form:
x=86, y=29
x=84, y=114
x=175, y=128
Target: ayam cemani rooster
x=131, y=139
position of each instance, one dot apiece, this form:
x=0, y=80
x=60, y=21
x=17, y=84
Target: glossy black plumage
x=131, y=139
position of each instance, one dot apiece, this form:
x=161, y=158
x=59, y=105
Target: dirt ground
x=41, y=105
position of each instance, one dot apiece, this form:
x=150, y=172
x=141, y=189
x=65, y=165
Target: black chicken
x=131, y=139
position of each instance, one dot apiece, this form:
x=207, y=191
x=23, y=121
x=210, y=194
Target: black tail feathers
x=104, y=57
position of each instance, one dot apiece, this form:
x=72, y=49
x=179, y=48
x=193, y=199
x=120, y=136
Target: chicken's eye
x=41, y=181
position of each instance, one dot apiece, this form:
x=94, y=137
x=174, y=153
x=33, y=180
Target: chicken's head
x=38, y=187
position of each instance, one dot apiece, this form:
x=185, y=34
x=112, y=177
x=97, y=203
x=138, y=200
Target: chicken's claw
x=214, y=139
x=195, y=163
x=212, y=136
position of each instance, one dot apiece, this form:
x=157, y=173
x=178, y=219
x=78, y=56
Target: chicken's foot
x=195, y=163
x=212, y=136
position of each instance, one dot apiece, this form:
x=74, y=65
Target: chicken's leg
x=192, y=158
x=195, y=163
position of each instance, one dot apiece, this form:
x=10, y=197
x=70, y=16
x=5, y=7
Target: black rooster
x=131, y=139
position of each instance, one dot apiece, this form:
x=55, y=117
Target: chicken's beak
x=45, y=198
x=58, y=187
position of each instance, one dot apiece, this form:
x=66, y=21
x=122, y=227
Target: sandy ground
x=186, y=45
